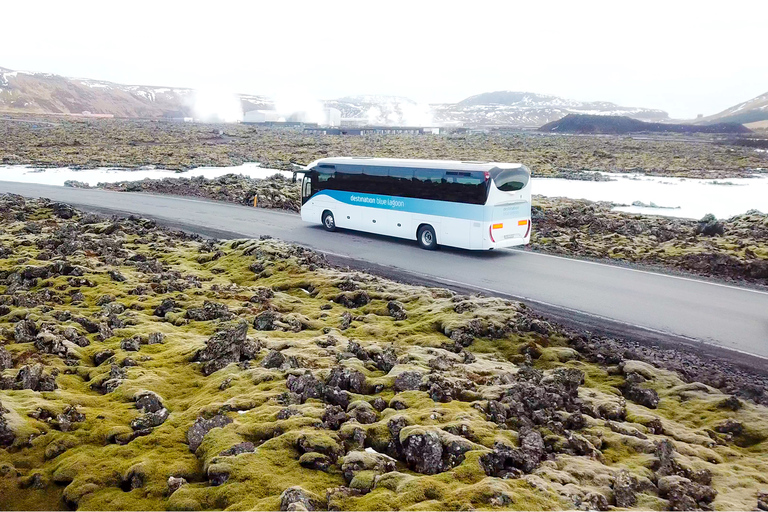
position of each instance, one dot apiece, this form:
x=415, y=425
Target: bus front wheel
x=427, y=238
x=329, y=223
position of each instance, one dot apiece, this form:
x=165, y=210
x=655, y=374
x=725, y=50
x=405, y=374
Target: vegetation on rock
x=425, y=400
x=181, y=146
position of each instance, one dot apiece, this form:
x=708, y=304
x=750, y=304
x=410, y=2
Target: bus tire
x=427, y=238
x=329, y=223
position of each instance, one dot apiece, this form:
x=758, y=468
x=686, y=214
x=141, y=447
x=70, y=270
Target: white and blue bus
x=470, y=205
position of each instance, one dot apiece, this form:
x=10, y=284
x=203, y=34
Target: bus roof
x=452, y=165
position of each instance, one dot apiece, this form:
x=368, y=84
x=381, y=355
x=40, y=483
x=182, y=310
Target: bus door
x=306, y=189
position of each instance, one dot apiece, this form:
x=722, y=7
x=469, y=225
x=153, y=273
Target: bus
x=469, y=205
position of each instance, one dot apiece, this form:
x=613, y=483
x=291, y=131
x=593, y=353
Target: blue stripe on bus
x=408, y=204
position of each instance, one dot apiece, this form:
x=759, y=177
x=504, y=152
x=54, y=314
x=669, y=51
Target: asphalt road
x=707, y=317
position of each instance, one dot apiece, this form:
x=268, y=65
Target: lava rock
x=408, y=380
x=131, y=344
x=246, y=447
x=423, y=452
x=25, y=331
x=165, y=307
x=6, y=361
x=148, y=401
x=273, y=359
x=150, y=420
x=209, y=311
x=226, y=347
x=684, y=494
x=201, y=427
x=175, y=483
x=396, y=310
x=155, y=338
x=101, y=356
x=624, y=489
x=296, y=498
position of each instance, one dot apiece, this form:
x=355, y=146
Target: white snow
x=57, y=176
x=679, y=197
x=676, y=197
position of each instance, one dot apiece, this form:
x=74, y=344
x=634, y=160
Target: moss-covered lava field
x=144, y=369
x=136, y=143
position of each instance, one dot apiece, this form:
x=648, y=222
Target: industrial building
x=261, y=116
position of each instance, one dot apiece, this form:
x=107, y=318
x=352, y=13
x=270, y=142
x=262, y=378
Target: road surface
x=708, y=317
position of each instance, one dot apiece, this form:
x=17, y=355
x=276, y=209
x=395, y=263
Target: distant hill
x=748, y=112
x=527, y=109
x=614, y=125
x=44, y=93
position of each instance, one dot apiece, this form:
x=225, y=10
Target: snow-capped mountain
x=525, y=109
x=754, y=111
x=45, y=93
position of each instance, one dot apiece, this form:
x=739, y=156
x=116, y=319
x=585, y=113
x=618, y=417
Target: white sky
x=680, y=56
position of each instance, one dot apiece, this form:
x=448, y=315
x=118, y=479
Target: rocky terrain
x=735, y=248
x=180, y=146
x=276, y=192
x=147, y=369
x=619, y=125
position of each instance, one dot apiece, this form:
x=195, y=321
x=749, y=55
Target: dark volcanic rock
x=34, y=378
x=89, y=325
x=5, y=359
x=624, y=489
x=25, y=331
x=642, y=396
x=353, y=300
x=305, y=385
x=226, y=347
x=150, y=420
x=246, y=447
x=202, y=426
x=166, y=306
x=273, y=359
x=101, y=356
x=505, y=461
x=709, y=226
x=209, y=311
x=408, y=380
x=427, y=453
x=265, y=321
x=147, y=401
x=7, y=436
x=333, y=417
x=348, y=380
x=762, y=501
x=397, y=310
x=684, y=494
x=131, y=344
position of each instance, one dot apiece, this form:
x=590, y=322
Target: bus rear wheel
x=426, y=237
x=329, y=223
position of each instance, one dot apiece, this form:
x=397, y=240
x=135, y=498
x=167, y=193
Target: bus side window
x=428, y=184
x=400, y=181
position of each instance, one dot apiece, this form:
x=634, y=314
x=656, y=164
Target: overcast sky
x=683, y=57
